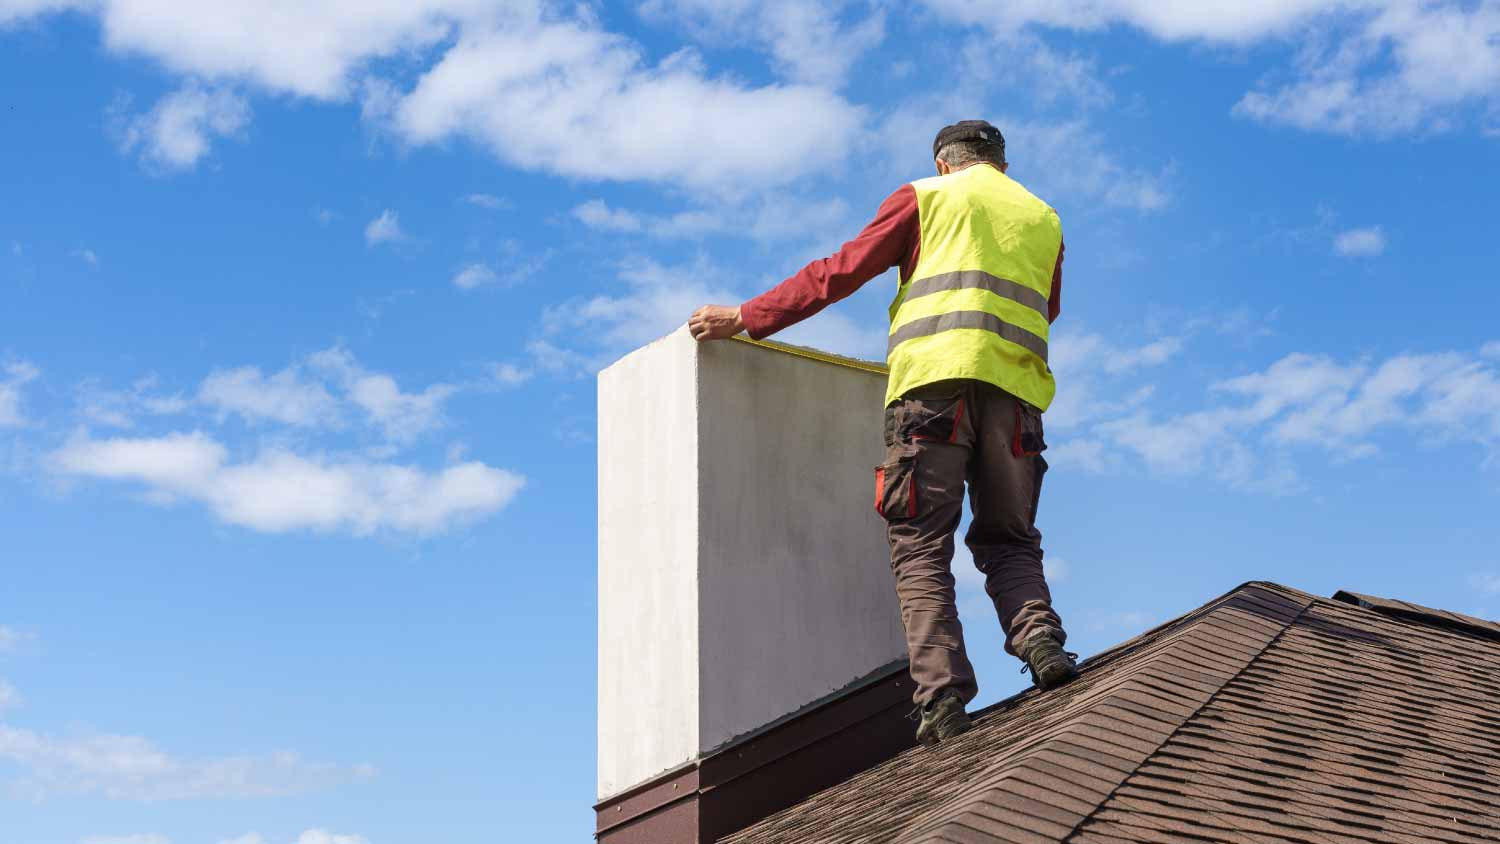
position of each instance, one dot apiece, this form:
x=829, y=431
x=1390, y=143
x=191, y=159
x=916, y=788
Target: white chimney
x=744, y=575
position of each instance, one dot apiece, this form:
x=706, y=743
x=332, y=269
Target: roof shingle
x=1269, y=715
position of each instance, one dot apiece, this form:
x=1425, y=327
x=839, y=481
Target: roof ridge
x=1417, y=614
x=1308, y=602
x=1084, y=716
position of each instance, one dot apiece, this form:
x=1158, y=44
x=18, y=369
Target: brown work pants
x=937, y=437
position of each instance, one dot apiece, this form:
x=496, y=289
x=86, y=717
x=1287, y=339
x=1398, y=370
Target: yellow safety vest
x=976, y=303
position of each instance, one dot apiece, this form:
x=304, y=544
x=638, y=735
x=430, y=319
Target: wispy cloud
x=323, y=836
x=510, y=374
x=323, y=391
x=487, y=200
x=14, y=376
x=1486, y=582
x=1315, y=402
x=1358, y=68
x=770, y=217
x=384, y=229
x=179, y=130
x=474, y=275
x=9, y=697
x=289, y=397
x=121, y=408
x=11, y=638
x=1360, y=243
x=402, y=416
x=123, y=767
x=808, y=42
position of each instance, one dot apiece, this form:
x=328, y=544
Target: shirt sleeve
x=1054, y=302
x=892, y=238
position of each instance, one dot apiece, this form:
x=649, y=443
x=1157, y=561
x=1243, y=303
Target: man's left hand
x=715, y=322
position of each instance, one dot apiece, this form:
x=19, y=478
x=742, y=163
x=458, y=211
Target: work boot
x=944, y=717
x=1049, y=664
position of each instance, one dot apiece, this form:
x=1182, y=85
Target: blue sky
x=303, y=304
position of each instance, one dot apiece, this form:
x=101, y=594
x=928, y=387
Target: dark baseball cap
x=969, y=130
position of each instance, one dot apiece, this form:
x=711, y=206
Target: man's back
x=975, y=305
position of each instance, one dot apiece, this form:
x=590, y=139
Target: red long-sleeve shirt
x=893, y=238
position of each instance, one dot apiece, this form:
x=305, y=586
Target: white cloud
x=323, y=836
x=522, y=79
x=120, y=408
x=178, y=131
x=141, y=838
x=488, y=201
x=1487, y=583
x=1055, y=569
x=1404, y=66
x=1073, y=159
x=322, y=392
x=598, y=215
x=1356, y=243
x=530, y=90
x=1361, y=66
x=770, y=217
x=657, y=298
x=14, y=11
x=9, y=697
x=832, y=331
x=474, y=275
x=10, y=638
x=247, y=838
x=808, y=42
x=402, y=416
x=278, y=491
x=125, y=767
x=1087, y=365
x=384, y=228
x=1227, y=20
x=1313, y=401
x=314, y=50
x=510, y=375
x=288, y=397
x=16, y=375
x=1055, y=159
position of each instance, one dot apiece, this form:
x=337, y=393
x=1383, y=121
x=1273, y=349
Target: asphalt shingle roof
x=1269, y=715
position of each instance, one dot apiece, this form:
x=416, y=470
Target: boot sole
x=946, y=730
x=1052, y=679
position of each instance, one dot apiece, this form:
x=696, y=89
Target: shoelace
x=1026, y=666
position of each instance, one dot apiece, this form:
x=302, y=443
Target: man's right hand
x=715, y=322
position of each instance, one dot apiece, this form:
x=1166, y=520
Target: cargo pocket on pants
x=896, y=489
x=1039, y=467
x=1029, y=440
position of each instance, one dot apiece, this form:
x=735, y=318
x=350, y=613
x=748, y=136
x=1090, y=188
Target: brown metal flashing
x=738, y=785
x=645, y=798
x=811, y=727
x=1420, y=614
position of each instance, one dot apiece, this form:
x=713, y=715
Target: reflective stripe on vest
x=976, y=304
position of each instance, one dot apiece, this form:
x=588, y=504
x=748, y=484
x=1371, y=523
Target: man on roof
x=981, y=274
